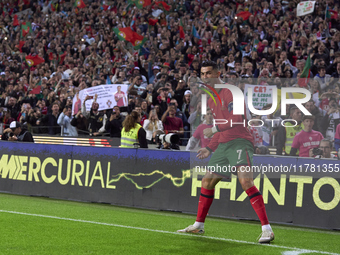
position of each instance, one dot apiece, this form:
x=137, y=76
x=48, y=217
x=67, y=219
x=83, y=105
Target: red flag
x=50, y=56
x=26, y=2
x=181, y=30
x=244, y=15
x=53, y=8
x=34, y=61
x=164, y=4
x=15, y=21
x=36, y=90
x=153, y=22
x=21, y=44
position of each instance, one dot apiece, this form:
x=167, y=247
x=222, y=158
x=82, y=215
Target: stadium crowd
x=251, y=41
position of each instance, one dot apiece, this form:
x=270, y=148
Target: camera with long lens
x=171, y=138
x=317, y=152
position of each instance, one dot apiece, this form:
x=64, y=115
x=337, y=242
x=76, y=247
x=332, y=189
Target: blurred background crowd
x=50, y=50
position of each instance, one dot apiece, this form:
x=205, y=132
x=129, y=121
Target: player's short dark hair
x=210, y=63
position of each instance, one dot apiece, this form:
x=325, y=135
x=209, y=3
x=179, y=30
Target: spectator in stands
x=115, y=124
x=96, y=119
x=317, y=113
x=195, y=119
x=137, y=86
x=171, y=123
x=331, y=119
x=151, y=125
x=7, y=119
x=81, y=123
x=198, y=138
x=132, y=132
x=51, y=120
x=306, y=139
x=322, y=78
x=65, y=119
x=285, y=135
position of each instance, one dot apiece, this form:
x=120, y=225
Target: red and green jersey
x=223, y=113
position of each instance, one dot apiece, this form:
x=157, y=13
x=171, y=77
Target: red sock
x=257, y=203
x=204, y=204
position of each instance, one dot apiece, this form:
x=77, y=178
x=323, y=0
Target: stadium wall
x=299, y=191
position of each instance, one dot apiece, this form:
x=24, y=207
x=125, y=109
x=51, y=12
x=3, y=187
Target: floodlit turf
x=30, y=225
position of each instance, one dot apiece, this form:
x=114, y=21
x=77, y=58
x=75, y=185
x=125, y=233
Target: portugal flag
x=126, y=34
x=62, y=58
x=26, y=28
x=181, y=30
x=331, y=14
x=34, y=60
x=304, y=77
x=164, y=4
x=79, y=4
x=140, y=3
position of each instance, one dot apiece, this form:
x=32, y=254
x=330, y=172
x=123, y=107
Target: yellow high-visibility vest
x=290, y=134
x=129, y=138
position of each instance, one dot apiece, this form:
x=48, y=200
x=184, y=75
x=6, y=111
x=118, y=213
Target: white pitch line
x=169, y=232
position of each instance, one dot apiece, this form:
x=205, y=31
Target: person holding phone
x=151, y=125
x=114, y=125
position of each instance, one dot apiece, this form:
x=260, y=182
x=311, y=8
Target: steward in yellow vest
x=133, y=132
x=128, y=138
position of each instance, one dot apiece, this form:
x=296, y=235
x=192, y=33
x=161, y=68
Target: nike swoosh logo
x=254, y=201
x=239, y=161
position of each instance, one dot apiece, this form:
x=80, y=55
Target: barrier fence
x=168, y=180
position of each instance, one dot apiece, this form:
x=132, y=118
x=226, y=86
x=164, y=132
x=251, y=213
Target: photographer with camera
x=323, y=151
x=15, y=132
x=166, y=141
x=306, y=139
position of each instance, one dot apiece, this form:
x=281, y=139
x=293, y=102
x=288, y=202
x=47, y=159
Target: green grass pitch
x=31, y=225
